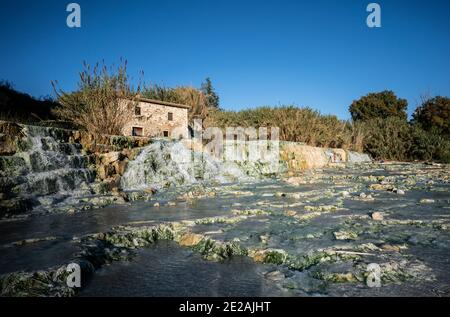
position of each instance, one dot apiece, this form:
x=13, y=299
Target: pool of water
x=166, y=269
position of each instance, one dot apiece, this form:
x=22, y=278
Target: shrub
x=383, y=105
x=161, y=93
x=190, y=96
x=296, y=124
x=429, y=145
x=387, y=139
x=434, y=114
x=98, y=105
x=196, y=100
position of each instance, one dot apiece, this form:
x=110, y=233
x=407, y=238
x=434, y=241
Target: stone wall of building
x=154, y=120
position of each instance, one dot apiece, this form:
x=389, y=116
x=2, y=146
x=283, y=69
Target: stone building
x=154, y=118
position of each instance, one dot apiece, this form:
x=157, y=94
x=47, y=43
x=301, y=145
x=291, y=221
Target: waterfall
x=355, y=157
x=47, y=164
x=169, y=163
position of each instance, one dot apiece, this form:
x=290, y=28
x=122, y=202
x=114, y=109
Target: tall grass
x=186, y=95
x=104, y=102
x=394, y=138
x=296, y=124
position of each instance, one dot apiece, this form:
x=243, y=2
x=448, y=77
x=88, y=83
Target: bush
x=161, y=93
x=296, y=124
x=383, y=105
x=395, y=139
x=434, y=114
x=99, y=105
x=387, y=139
x=196, y=100
x=429, y=145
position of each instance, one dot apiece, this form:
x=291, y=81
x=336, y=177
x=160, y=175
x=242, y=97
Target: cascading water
x=355, y=157
x=47, y=164
x=170, y=163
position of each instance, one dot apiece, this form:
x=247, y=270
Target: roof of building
x=164, y=103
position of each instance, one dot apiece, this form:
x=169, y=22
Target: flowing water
x=165, y=164
x=414, y=237
x=318, y=227
x=53, y=165
x=47, y=169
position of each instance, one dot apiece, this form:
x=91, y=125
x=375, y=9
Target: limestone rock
x=275, y=276
x=290, y=213
x=150, y=190
x=345, y=194
x=426, y=201
x=345, y=235
x=264, y=238
x=120, y=166
x=377, y=216
x=110, y=157
x=190, y=239
x=381, y=187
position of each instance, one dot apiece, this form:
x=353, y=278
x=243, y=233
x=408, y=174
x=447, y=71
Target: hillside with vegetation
x=21, y=107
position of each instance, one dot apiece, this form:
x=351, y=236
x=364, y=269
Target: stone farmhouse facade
x=154, y=118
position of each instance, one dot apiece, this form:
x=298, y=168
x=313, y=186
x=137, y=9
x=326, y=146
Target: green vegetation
x=387, y=138
x=296, y=124
x=434, y=115
x=211, y=96
x=429, y=145
x=382, y=105
x=186, y=95
x=21, y=107
x=388, y=135
x=102, y=102
x=379, y=124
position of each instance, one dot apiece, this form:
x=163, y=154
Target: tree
x=211, y=96
x=434, y=114
x=382, y=105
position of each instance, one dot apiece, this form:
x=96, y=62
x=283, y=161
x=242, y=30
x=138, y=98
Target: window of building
x=170, y=116
x=136, y=131
x=166, y=134
x=137, y=111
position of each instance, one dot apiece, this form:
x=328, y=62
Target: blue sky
x=309, y=53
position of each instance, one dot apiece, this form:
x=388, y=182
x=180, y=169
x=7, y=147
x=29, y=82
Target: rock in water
x=377, y=216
